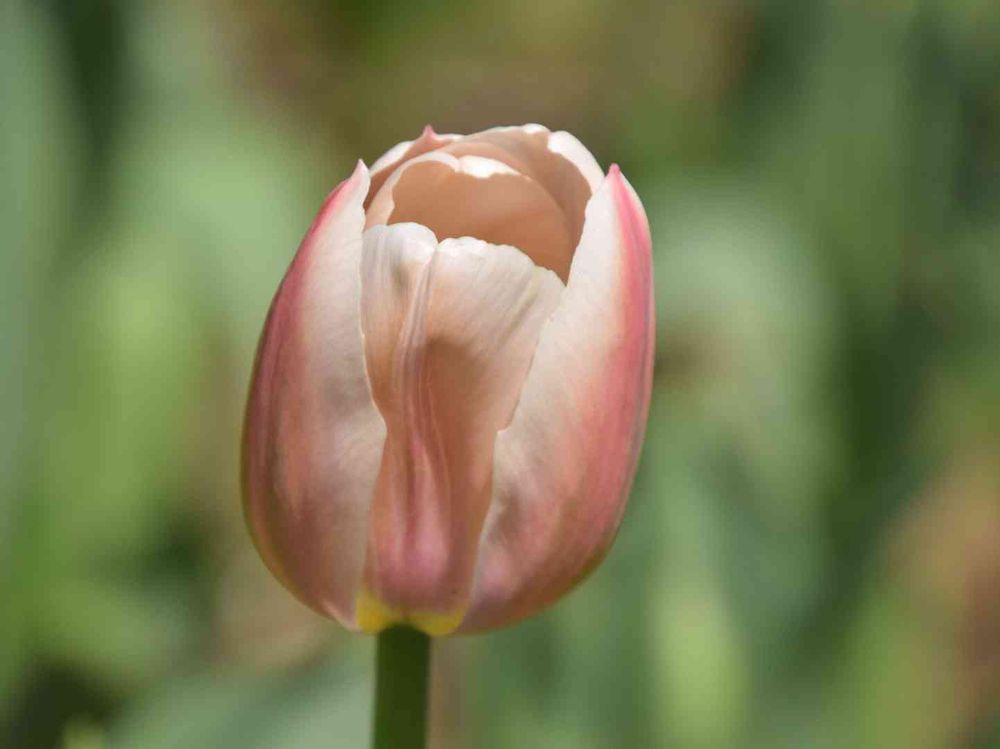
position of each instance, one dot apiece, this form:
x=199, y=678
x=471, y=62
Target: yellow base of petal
x=372, y=616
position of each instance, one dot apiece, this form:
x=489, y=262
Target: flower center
x=476, y=196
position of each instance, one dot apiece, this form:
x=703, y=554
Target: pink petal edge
x=312, y=435
x=565, y=465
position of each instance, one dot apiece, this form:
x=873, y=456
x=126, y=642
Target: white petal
x=571, y=149
x=449, y=340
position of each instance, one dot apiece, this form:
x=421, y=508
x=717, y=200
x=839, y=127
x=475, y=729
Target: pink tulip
x=451, y=388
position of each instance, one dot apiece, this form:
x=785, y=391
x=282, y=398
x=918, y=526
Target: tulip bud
x=451, y=387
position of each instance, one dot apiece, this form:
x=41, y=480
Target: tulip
x=451, y=388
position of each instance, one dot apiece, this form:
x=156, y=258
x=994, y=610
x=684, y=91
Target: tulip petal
x=480, y=197
x=564, y=465
x=556, y=161
x=570, y=148
x=313, y=436
x=449, y=336
x=400, y=153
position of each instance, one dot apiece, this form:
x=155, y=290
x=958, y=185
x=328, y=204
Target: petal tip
x=629, y=208
x=359, y=181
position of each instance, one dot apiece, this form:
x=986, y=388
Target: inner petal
x=476, y=196
x=449, y=336
x=556, y=161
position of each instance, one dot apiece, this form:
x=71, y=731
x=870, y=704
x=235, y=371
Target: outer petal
x=448, y=343
x=313, y=436
x=565, y=464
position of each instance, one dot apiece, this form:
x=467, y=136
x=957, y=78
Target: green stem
x=402, y=665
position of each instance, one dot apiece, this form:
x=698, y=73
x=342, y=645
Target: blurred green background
x=811, y=555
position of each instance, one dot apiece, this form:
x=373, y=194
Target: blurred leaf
x=36, y=187
x=317, y=706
